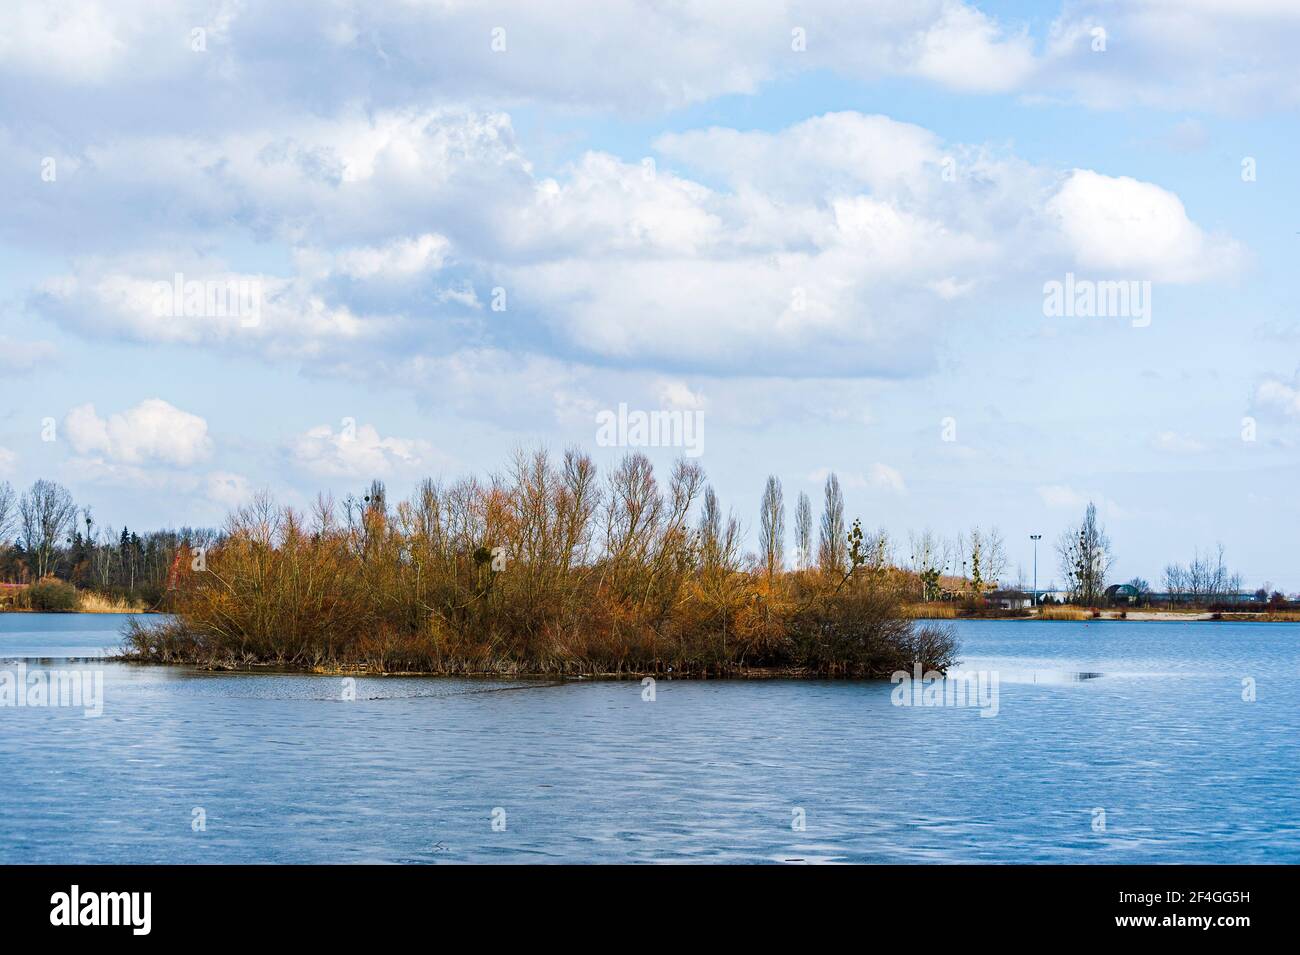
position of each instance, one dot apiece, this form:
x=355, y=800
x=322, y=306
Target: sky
x=830, y=230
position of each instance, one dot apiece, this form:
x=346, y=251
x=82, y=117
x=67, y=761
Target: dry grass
x=88, y=602
x=1064, y=613
x=541, y=570
x=934, y=610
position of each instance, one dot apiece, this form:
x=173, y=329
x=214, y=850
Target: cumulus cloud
x=1119, y=224
x=834, y=247
x=153, y=432
x=966, y=49
x=647, y=56
x=1233, y=56
x=358, y=451
x=228, y=489
x=886, y=478
x=879, y=477
x=1278, y=396
x=1228, y=56
x=401, y=258
x=132, y=297
x=1063, y=496
x=677, y=395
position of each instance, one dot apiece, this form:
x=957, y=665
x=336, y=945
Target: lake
x=1113, y=742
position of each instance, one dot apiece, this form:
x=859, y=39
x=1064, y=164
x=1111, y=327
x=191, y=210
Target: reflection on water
x=1054, y=676
x=1145, y=720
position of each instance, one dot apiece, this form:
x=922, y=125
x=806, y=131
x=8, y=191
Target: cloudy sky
x=827, y=226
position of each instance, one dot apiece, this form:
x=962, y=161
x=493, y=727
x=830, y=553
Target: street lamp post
x=1035, y=538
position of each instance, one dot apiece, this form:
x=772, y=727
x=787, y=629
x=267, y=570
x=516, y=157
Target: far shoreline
x=1127, y=616
x=1130, y=616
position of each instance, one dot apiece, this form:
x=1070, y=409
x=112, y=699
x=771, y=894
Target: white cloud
x=119, y=298
x=1062, y=496
x=1210, y=55
x=357, y=451
x=7, y=461
x=1122, y=225
x=80, y=43
x=227, y=489
x=879, y=476
x=836, y=248
x=832, y=154
x=401, y=258
x=153, y=432
x=967, y=50
x=1273, y=394
x=626, y=54
x=677, y=395
x=886, y=478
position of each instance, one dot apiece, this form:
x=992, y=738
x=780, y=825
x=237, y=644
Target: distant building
x=1123, y=594
x=1009, y=599
x=1241, y=597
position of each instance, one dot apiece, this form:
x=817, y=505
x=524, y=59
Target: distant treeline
x=45, y=535
x=546, y=568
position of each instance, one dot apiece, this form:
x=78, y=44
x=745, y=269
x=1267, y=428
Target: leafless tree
x=1205, y=580
x=45, y=516
x=710, y=528
x=771, y=524
x=929, y=558
x=8, y=507
x=995, y=556
x=833, y=547
x=803, y=526
x=1085, y=556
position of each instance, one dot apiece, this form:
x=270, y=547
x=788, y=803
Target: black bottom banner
x=306, y=904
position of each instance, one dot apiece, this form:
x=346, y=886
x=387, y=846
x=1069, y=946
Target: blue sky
x=913, y=178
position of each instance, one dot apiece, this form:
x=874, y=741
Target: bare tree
x=103, y=555
x=803, y=525
x=1175, y=582
x=1085, y=556
x=710, y=529
x=771, y=524
x=995, y=556
x=1206, y=580
x=1142, y=591
x=983, y=557
x=45, y=515
x=929, y=557
x=8, y=508
x=832, y=550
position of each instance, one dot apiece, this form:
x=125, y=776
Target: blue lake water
x=1145, y=721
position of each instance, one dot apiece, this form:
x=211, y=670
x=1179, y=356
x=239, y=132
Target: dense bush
x=51, y=595
x=543, y=570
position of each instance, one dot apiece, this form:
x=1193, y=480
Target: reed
x=91, y=602
x=933, y=610
x=544, y=569
x=1064, y=613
